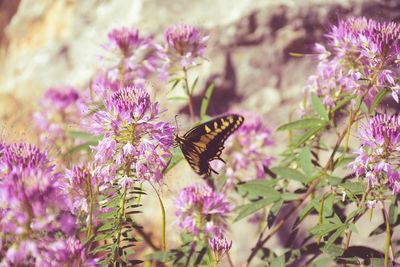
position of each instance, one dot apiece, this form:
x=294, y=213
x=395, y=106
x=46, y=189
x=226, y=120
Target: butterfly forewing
x=205, y=142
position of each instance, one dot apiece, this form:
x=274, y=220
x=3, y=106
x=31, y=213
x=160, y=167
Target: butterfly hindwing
x=205, y=142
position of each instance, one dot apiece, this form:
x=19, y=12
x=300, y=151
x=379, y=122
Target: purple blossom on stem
x=363, y=56
x=380, y=146
x=134, y=59
x=183, y=44
x=246, y=149
x=33, y=210
x=201, y=210
x=133, y=137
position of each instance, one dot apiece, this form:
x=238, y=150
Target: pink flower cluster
x=183, y=45
x=363, y=56
x=201, y=210
x=380, y=146
x=132, y=137
x=246, y=149
x=35, y=225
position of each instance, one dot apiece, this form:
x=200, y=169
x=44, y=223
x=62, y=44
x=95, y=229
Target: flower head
x=132, y=136
x=201, y=210
x=20, y=156
x=134, y=58
x=183, y=44
x=246, y=149
x=34, y=214
x=363, y=60
x=380, y=145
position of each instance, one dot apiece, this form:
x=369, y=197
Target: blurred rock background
x=46, y=43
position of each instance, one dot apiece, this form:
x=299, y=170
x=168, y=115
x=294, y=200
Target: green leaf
x=162, y=256
x=353, y=214
x=273, y=212
x=333, y=180
x=206, y=100
x=305, y=161
x=259, y=187
x=176, y=157
x=353, y=228
x=328, y=205
x=289, y=173
x=247, y=209
x=355, y=188
x=378, y=98
x=311, y=132
x=177, y=98
x=319, y=107
x=81, y=147
x=320, y=262
x=194, y=85
x=303, y=214
x=81, y=135
x=278, y=261
x=103, y=237
x=393, y=213
x=335, y=236
x=334, y=250
x=302, y=124
x=342, y=102
x=324, y=229
x=290, y=196
x=106, y=227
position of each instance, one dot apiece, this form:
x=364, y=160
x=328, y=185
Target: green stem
x=163, y=218
x=189, y=95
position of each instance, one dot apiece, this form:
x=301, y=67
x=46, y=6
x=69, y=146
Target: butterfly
x=205, y=142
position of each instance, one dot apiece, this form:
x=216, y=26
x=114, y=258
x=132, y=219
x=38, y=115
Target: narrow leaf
x=378, y=98
x=342, y=102
x=177, y=98
x=194, y=85
x=289, y=174
x=258, y=188
x=206, y=100
x=247, y=209
x=302, y=124
x=319, y=107
x=305, y=161
x=310, y=133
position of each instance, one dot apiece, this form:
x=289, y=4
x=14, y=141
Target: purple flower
x=60, y=111
x=247, y=149
x=380, y=146
x=133, y=60
x=220, y=246
x=183, y=44
x=34, y=212
x=76, y=187
x=361, y=55
x=201, y=210
x=133, y=137
x=20, y=156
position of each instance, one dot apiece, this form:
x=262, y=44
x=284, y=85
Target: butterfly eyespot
x=205, y=142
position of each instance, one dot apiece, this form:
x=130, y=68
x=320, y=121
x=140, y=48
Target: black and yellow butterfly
x=205, y=142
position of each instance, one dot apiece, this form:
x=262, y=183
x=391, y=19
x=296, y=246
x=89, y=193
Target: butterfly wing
x=205, y=142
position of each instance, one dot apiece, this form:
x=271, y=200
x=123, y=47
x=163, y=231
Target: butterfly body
x=205, y=142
